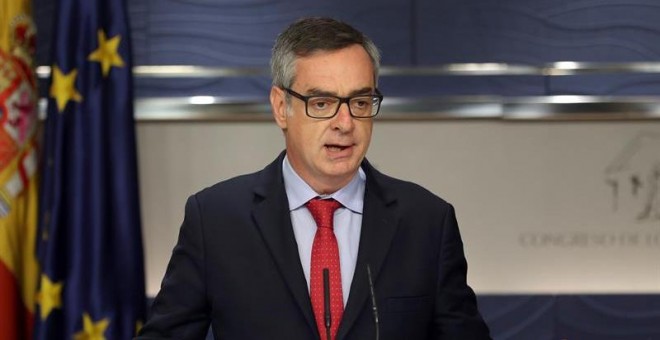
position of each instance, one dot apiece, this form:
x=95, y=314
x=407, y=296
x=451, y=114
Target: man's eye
x=361, y=103
x=320, y=103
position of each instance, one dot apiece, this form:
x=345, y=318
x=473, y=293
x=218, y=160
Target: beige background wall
x=544, y=207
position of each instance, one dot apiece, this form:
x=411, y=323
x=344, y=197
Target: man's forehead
x=318, y=91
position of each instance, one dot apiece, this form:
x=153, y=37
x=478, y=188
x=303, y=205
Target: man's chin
x=342, y=168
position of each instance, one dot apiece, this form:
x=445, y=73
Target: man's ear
x=278, y=105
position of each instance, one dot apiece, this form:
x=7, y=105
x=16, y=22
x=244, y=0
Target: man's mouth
x=337, y=147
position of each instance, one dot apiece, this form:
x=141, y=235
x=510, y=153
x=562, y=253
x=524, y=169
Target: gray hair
x=309, y=35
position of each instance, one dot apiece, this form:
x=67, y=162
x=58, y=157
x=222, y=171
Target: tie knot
x=323, y=211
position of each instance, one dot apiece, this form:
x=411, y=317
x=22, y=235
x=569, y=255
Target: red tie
x=325, y=254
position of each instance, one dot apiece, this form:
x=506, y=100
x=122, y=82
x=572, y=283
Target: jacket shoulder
x=230, y=187
x=244, y=187
x=406, y=192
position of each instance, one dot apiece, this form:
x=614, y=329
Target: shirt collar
x=299, y=192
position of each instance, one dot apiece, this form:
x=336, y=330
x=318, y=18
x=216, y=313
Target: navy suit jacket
x=236, y=266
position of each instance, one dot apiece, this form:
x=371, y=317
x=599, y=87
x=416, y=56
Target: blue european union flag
x=90, y=245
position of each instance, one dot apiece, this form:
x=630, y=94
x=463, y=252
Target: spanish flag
x=18, y=164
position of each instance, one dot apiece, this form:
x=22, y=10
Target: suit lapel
x=379, y=224
x=271, y=214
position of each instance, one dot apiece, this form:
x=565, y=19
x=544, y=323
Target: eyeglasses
x=325, y=107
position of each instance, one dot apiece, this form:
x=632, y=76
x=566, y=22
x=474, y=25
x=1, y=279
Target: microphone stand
x=374, y=307
x=326, y=303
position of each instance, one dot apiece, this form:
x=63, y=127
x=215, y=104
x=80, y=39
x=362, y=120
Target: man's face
x=326, y=153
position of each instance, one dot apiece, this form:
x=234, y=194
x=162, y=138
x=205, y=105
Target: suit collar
x=379, y=223
x=271, y=215
x=351, y=196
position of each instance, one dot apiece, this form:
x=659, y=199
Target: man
x=257, y=256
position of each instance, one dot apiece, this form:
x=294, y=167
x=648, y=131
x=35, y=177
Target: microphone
x=374, y=307
x=326, y=302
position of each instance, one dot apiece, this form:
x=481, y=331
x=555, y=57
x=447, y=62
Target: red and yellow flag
x=18, y=168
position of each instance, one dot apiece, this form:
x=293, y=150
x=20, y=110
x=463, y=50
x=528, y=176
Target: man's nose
x=344, y=121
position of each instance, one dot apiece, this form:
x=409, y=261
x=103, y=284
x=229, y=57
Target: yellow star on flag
x=49, y=296
x=138, y=326
x=106, y=53
x=63, y=88
x=92, y=330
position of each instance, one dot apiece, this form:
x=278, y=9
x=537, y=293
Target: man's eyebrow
x=318, y=92
x=362, y=91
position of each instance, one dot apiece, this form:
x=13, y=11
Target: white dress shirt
x=347, y=221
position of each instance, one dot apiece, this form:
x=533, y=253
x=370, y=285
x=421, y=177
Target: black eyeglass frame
x=342, y=100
